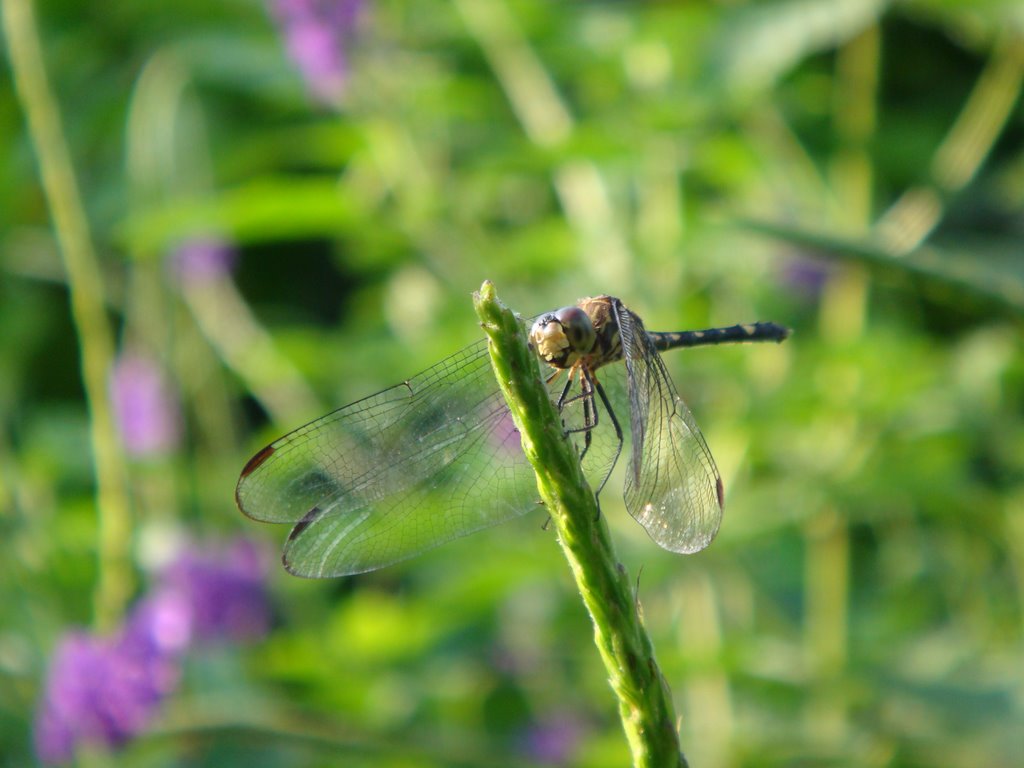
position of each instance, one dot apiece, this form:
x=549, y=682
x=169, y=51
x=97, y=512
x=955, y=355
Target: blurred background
x=279, y=207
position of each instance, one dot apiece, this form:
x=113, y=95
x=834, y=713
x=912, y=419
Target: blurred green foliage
x=852, y=168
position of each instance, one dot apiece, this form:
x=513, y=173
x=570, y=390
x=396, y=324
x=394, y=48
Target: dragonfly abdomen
x=664, y=340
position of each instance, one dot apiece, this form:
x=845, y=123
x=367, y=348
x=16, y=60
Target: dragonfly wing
x=673, y=488
x=390, y=476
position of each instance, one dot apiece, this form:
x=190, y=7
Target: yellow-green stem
x=87, y=305
x=645, y=703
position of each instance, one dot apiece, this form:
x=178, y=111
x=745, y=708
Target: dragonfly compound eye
x=578, y=329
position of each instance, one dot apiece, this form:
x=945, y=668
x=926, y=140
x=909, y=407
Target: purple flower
x=224, y=588
x=103, y=691
x=159, y=630
x=202, y=260
x=553, y=741
x=317, y=35
x=147, y=412
x=70, y=711
x=806, y=275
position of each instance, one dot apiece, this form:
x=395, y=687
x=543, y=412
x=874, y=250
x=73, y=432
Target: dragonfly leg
x=618, y=436
x=586, y=394
x=589, y=410
x=560, y=404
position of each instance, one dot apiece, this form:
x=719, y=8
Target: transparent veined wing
x=673, y=488
x=390, y=476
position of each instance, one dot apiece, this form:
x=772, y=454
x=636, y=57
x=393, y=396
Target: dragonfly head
x=562, y=337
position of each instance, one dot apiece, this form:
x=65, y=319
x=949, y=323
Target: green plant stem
x=645, y=703
x=87, y=305
x=918, y=211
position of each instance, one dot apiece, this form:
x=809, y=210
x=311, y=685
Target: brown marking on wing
x=253, y=464
x=304, y=523
x=250, y=466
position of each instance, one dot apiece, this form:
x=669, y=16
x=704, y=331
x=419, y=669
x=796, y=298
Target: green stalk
x=85, y=286
x=645, y=703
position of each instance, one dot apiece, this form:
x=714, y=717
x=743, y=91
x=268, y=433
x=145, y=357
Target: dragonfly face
x=585, y=334
x=563, y=337
x=432, y=459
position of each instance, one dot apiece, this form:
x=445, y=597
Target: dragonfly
x=438, y=456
